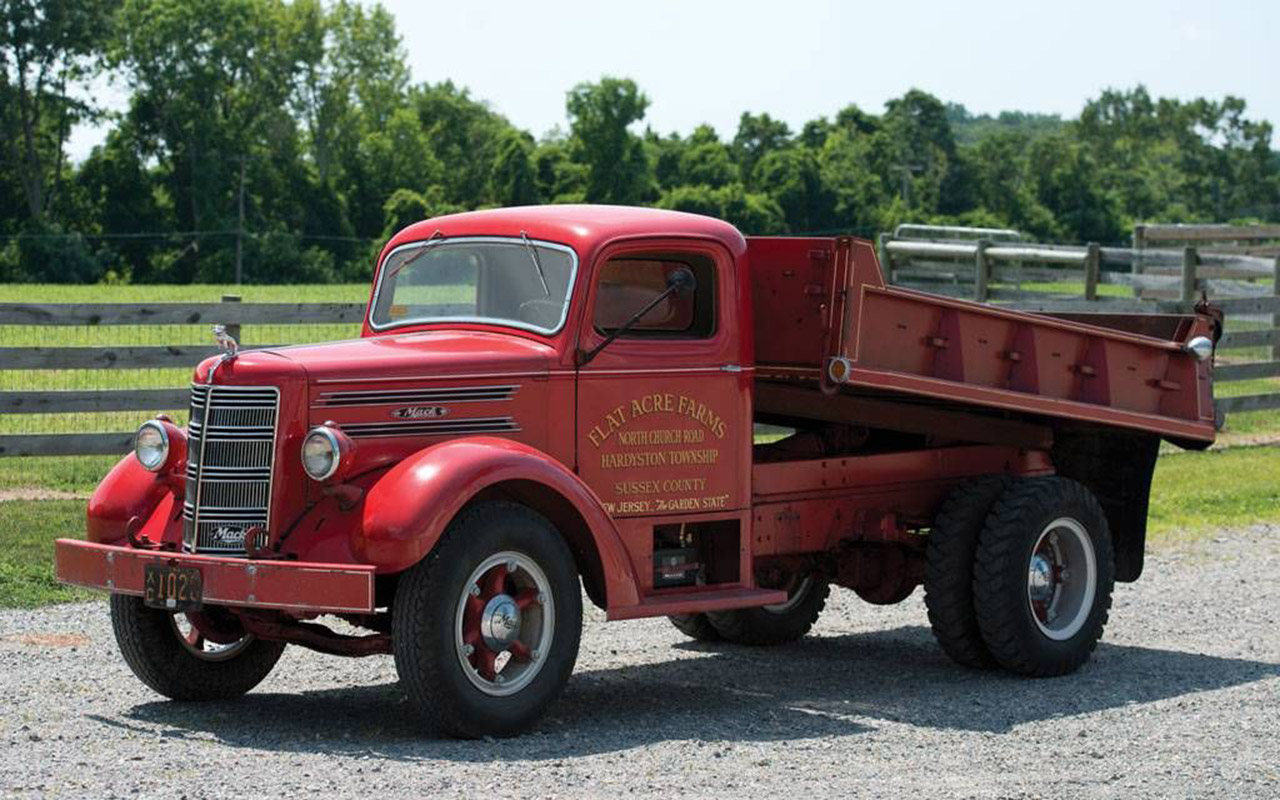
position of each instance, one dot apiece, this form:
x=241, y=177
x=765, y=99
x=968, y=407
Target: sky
x=707, y=61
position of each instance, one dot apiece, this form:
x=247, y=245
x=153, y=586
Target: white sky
x=709, y=60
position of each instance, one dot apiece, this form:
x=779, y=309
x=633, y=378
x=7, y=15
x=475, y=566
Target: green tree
x=757, y=136
x=208, y=80
x=514, y=180
x=48, y=50
x=600, y=116
x=706, y=161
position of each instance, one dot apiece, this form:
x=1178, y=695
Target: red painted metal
x=961, y=352
x=406, y=511
x=293, y=586
x=275, y=627
x=129, y=491
x=657, y=432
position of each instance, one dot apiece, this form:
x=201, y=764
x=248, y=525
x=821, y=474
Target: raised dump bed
x=834, y=343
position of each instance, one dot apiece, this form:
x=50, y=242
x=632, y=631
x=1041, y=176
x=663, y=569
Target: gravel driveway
x=1182, y=699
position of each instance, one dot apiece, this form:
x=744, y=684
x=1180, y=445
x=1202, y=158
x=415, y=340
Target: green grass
x=27, y=532
x=1070, y=288
x=1194, y=493
x=79, y=474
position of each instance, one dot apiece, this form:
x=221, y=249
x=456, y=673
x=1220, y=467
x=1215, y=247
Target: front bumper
x=243, y=583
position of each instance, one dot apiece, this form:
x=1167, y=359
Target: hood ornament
x=226, y=342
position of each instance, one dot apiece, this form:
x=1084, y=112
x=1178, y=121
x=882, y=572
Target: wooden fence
x=231, y=312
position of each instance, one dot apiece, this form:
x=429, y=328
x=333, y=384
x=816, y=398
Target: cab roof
x=582, y=227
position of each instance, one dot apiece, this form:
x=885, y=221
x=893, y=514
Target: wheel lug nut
x=512, y=566
x=542, y=598
x=468, y=649
x=500, y=679
x=475, y=590
x=1064, y=574
x=534, y=655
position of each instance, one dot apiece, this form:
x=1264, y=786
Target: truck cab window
x=490, y=281
x=628, y=283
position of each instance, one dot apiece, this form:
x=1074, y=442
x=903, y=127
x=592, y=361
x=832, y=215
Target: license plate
x=172, y=588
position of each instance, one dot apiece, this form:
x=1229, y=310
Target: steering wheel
x=541, y=311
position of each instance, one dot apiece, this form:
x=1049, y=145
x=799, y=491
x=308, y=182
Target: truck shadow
x=821, y=686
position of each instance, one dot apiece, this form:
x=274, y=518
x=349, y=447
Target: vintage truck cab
x=545, y=400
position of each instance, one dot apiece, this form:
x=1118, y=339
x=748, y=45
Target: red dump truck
x=546, y=400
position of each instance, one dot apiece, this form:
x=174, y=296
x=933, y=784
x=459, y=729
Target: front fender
x=128, y=491
x=408, y=509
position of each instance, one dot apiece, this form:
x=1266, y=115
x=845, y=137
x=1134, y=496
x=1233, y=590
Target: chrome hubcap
x=1062, y=579
x=504, y=624
x=500, y=622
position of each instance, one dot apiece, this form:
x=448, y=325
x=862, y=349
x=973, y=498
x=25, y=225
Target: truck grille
x=230, y=455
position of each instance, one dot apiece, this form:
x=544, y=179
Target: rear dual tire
x=1020, y=574
x=1043, y=577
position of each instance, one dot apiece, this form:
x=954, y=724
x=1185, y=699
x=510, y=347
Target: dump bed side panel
x=819, y=300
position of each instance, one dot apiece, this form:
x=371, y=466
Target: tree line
x=286, y=140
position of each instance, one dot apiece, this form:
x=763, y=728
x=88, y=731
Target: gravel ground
x=1181, y=700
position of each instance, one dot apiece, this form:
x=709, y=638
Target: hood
x=428, y=354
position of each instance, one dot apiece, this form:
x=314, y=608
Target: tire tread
x=1000, y=543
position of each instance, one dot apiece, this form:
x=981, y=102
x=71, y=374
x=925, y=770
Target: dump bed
x=829, y=332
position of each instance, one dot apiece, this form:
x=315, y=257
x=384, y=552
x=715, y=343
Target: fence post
x=982, y=274
x=233, y=330
x=1275, y=318
x=1092, y=266
x=1139, y=245
x=882, y=251
x=1189, y=261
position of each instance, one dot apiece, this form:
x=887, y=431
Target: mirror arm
x=584, y=357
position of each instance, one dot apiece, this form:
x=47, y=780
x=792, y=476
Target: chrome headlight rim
x=335, y=446
x=165, y=444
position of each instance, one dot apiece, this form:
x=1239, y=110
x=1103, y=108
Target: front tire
x=1043, y=577
x=777, y=624
x=182, y=661
x=485, y=629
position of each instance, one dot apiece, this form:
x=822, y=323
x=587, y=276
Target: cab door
x=664, y=411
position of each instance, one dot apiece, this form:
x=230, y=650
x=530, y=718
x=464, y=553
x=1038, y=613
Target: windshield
x=516, y=282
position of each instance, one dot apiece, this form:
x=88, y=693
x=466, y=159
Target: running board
x=698, y=600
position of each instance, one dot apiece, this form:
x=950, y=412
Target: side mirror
x=681, y=281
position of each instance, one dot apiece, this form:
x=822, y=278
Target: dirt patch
x=50, y=639
x=36, y=493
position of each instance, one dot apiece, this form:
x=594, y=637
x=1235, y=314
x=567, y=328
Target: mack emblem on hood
x=420, y=412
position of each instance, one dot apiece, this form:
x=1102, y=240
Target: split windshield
x=515, y=282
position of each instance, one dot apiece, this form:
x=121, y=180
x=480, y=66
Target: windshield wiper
x=436, y=238
x=537, y=264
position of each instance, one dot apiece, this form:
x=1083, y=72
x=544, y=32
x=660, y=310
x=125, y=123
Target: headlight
x=151, y=445
x=323, y=451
